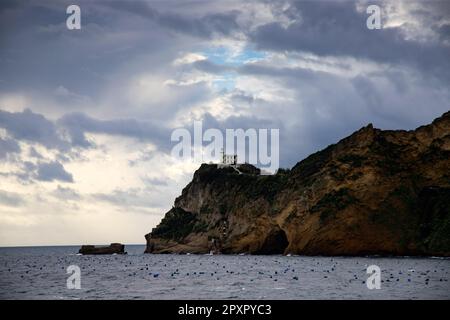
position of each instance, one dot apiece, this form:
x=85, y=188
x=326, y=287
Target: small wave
x=440, y=258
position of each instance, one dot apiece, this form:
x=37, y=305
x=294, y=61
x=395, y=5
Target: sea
x=58, y=272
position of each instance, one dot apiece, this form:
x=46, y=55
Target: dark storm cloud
x=8, y=146
x=368, y=91
x=53, y=171
x=32, y=127
x=78, y=124
x=329, y=28
x=8, y=4
x=444, y=32
x=69, y=131
x=39, y=54
x=205, y=26
x=28, y=172
x=243, y=122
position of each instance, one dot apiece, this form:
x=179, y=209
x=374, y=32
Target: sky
x=86, y=115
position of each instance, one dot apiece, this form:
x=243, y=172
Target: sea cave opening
x=275, y=243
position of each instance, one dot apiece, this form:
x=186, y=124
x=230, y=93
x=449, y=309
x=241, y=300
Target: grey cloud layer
x=52, y=171
x=206, y=25
x=8, y=146
x=330, y=28
x=36, y=128
x=123, y=38
x=10, y=199
x=65, y=135
x=78, y=124
x=32, y=127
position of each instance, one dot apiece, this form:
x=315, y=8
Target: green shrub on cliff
x=176, y=224
x=333, y=202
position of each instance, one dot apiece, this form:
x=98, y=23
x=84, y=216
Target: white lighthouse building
x=228, y=160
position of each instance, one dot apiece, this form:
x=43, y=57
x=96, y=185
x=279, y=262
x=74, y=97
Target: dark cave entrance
x=275, y=243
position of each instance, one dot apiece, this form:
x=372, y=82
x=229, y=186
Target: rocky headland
x=376, y=192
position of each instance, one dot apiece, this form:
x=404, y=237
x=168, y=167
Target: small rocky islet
x=113, y=248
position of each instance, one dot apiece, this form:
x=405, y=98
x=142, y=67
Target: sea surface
x=41, y=273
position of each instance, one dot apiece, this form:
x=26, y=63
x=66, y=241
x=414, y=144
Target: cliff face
x=374, y=192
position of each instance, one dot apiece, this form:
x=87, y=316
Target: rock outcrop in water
x=117, y=248
x=374, y=192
